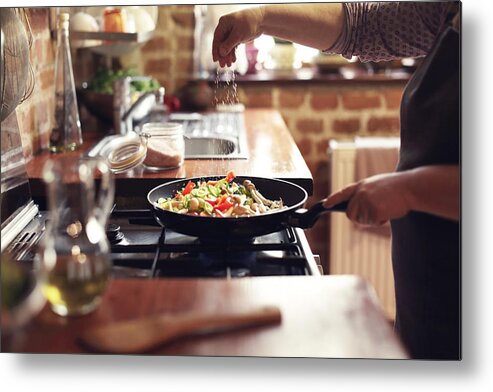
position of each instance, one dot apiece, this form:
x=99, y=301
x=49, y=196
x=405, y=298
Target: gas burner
x=114, y=234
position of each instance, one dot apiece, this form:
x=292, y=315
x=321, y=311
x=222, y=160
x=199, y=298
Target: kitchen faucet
x=123, y=110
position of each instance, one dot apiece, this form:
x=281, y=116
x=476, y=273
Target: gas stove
x=140, y=248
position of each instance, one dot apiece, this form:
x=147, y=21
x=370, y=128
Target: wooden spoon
x=141, y=335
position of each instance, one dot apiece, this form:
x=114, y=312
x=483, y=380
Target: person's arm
x=315, y=25
x=382, y=31
x=375, y=200
x=436, y=190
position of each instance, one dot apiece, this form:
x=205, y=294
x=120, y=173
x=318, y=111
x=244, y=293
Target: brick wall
x=168, y=56
x=317, y=112
x=34, y=114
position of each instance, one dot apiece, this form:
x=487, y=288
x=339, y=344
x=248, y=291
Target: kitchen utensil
x=141, y=335
x=220, y=229
x=74, y=259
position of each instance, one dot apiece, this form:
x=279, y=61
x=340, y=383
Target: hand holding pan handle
x=305, y=219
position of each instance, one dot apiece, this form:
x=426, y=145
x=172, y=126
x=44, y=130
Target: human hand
x=375, y=200
x=233, y=29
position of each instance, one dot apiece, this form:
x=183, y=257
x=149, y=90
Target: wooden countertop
x=329, y=316
x=272, y=153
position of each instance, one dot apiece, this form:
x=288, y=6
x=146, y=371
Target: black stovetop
x=141, y=248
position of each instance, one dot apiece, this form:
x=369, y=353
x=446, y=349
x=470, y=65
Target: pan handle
x=305, y=219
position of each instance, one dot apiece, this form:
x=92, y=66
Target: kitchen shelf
x=140, y=37
x=111, y=44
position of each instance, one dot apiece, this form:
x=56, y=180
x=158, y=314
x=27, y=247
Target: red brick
x=184, y=65
x=393, y=98
x=383, y=124
x=184, y=20
x=153, y=67
x=38, y=52
x=291, y=99
x=308, y=125
x=305, y=146
x=357, y=101
x=261, y=98
x=185, y=43
x=38, y=19
x=47, y=78
x=166, y=83
x=323, y=101
x=322, y=147
x=49, y=50
x=348, y=126
x=156, y=44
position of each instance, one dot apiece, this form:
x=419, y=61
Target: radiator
x=356, y=251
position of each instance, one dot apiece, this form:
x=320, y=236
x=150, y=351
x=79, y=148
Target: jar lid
x=127, y=154
x=162, y=129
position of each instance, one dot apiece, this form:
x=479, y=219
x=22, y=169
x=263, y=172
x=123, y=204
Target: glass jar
x=165, y=146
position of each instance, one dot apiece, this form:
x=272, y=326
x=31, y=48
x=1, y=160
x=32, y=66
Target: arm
x=315, y=25
x=430, y=189
x=436, y=190
x=376, y=31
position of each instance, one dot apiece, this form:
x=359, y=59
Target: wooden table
x=272, y=153
x=328, y=316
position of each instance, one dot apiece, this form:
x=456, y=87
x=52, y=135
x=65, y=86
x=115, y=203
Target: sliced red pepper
x=224, y=205
x=188, y=188
x=230, y=176
x=211, y=202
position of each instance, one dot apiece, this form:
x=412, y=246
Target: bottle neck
x=63, y=29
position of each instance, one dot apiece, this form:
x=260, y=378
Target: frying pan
x=292, y=195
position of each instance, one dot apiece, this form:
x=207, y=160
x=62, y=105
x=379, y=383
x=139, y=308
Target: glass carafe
x=74, y=257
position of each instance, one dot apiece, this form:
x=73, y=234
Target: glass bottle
x=66, y=134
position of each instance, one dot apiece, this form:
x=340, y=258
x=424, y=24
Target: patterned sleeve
x=382, y=31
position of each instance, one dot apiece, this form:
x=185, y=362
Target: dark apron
x=426, y=248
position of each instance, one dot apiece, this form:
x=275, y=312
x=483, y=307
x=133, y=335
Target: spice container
x=115, y=20
x=165, y=146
